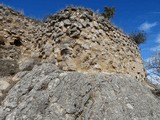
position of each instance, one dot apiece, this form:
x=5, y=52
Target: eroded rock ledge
x=47, y=93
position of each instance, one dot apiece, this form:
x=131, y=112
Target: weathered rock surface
x=47, y=93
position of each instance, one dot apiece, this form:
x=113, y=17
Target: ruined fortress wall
x=17, y=30
x=77, y=39
x=81, y=40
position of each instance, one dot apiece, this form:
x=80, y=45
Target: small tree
x=109, y=12
x=153, y=65
x=139, y=37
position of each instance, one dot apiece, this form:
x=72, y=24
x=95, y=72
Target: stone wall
x=75, y=39
x=81, y=40
x=17, y=30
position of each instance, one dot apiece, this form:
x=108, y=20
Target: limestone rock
x=4, y=85
x=1, y=18
x=67, y=22
x=46, y=93
x=8, y=67
x=19, y=76
x=26, y=65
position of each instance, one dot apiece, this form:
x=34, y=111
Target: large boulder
x=47, y=93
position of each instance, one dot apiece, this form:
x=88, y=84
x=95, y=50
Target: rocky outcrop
x=47, y=93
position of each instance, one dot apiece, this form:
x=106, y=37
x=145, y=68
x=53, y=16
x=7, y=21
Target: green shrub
x=109, y=12
x=139, y=37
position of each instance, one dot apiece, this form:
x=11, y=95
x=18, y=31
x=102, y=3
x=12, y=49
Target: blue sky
x=131, y=15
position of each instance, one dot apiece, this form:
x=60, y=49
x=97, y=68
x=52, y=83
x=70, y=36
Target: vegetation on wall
x=109, y=12
x=139, y=37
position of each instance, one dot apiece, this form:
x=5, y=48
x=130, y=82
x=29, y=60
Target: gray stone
x=48, y=48
x=27, y=65
x=8, y=67
x=4, y=85
x=75, y=34
x=49, y=34
x=84, y=24
x=73, y=29
x=89, y=17
x=59, y=34
x=46, y=93
x=1, y=94
x=67, y=22
x=1, y=18
x=78, y=25
x=19, y=76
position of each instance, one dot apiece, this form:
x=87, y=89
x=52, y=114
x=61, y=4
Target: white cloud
x=157, y=48
x=147, y=26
